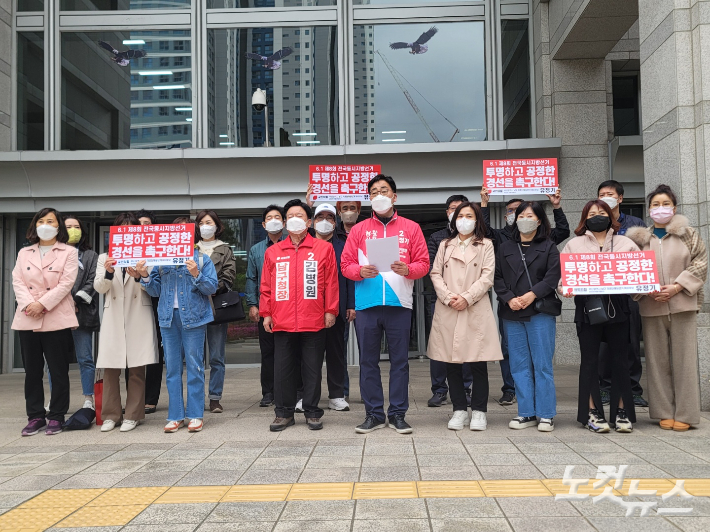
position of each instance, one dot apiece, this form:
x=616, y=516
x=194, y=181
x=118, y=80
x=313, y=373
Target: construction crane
x=398, y=78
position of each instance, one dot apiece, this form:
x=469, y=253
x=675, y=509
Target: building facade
x=613, y=89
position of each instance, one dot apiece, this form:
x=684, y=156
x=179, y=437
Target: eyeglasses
x=382, y=191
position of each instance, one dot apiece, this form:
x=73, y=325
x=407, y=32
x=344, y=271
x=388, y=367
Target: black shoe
x=151, y=409
x=507, y=399
x=314, y=423
x=398, y=423
x=281, y=423
x=468, y=398
x=371, y=423
x=640, y=401
x=267, y=400
x=606, y=397
x=438, y=399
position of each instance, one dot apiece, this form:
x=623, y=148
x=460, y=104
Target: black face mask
x=599, y=223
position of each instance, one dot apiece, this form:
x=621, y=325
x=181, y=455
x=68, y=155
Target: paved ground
x=236, y=475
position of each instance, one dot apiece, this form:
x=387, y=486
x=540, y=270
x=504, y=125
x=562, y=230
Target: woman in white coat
x=127, y=338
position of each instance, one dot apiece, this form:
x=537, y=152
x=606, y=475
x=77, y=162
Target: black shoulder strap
x=525, y=264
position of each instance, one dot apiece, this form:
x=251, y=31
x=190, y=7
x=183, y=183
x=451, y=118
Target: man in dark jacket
x=558, y=234
x=335, y=352
x=437, y=369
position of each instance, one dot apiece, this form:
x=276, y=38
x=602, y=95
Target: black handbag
x=228, y=307
x=549, y=306
x=596, y=312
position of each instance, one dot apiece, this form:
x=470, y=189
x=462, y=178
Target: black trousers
x=479, y=385
x=335, y=358
x=154, y=372
x=635, y=368
x=266, y=346
x=287, y=348
x=616, y=335
x=56, y=348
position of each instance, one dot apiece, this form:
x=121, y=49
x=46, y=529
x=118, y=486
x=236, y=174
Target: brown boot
x=314, y=423
x=215, y=407
x=666, y=424
x=281, y=423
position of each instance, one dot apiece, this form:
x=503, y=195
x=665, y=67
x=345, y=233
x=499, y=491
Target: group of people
x=305, y=285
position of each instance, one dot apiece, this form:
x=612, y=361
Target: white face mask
x=47, y=232
x=381, y=204
x=274, y=226
x=612, y=202
x=465, y=225
x=349, y=217
x=527, y=225
x=207, y=231
x=510, y=218
x=450, y=215
x=324, y=227
x=295, y=225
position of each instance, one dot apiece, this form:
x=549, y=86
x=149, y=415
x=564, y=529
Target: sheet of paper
x=382, y=252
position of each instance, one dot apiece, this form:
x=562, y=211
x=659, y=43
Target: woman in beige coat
x=670, y=317
x=464, y=325
x=127, y=338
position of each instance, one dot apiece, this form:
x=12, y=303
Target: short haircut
x=146, y=214
x=62, y=235
x=83, y=243
x=273, y=208
x=217, y=222
x=339, y=205
x=582, y=227
x=126, y=218
x=382, y=177
x=610, y=183
x=298, y=203
x=543, y=230
x=514, y=200
x=479, y=232
x=457, y=197
x=662, y=189
x=183, y=220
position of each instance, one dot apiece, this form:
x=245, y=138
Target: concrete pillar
x=5, y=73
x=675, y=95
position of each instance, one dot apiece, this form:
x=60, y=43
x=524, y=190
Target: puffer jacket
x=681, y=257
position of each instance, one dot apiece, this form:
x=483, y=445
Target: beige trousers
x=135, y=400
x=671, y=346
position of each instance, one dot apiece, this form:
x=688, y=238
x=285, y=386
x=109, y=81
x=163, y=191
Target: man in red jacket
x=299, y=301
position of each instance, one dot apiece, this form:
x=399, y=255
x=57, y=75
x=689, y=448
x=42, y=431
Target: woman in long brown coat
x=462, y=274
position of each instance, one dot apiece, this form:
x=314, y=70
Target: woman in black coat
x=87, y=306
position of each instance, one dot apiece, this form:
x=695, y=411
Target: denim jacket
x=193, y=292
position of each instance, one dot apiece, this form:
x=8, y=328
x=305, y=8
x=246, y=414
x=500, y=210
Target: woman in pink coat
x=42, y=279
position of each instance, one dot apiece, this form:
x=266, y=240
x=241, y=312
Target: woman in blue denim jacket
x=184, y=310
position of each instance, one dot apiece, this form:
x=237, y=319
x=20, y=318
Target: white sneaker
x=546, y=425
x=339, y=404
x=88, y=403
x=299, y=406
x=129, y=424
x=478, y=420
x=108, y=425
x=195, y=425
x=458, y=420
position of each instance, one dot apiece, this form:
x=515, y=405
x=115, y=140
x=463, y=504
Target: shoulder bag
x=226, y=307
x=549, y=306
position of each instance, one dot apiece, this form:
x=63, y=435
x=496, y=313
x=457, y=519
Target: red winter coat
x=299, y=286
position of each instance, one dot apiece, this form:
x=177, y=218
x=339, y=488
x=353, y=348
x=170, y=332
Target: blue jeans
x=179, y=343
x=84, y=351
x=531, y=346
x=216, y=341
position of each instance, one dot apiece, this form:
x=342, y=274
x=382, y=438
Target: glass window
x=99, y=90
x=244, y=4
x=517, y=122
x=384, y=2
x=123, y=5
x=626, y=105
x=30, y=5
x=30, y=91
x=426, y=92
x=241, y=63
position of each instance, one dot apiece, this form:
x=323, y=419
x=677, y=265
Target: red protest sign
x=632, y=272
x=169, y=244
x=520, y=176
x=346, y=182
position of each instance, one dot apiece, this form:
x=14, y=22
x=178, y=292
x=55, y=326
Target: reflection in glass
x=394, y=2
x=432, y=89
x=298, y=69
x=137, y=96
x=30, y=91
x=233, y=4
x=30, y=5
x=517, y=122
x=122, y=5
